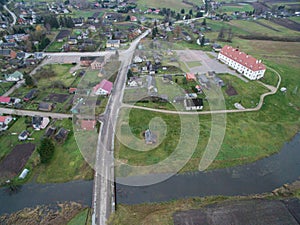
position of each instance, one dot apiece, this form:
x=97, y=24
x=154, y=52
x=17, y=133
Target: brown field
x=14, y=162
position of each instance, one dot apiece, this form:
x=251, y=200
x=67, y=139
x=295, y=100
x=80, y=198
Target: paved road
x=20, y=112
x=272, y=89
x=12, y=15
x=103, y=196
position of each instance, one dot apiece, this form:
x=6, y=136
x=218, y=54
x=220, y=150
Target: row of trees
x=51, y=21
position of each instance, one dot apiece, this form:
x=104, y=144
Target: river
x=262, y=176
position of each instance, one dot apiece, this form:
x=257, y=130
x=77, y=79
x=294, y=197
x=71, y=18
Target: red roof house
x=243, y=63
x=190, y=77
x=103, y=88
x=4, y=99
x=88, y=124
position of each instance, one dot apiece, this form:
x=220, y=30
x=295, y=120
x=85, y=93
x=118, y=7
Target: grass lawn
x=241, y=7
x=5, y=86
x=172, y=4
x=295, y=18
x=55, y=46
x=81, y=218
x=192, y=64
x=248, y=93
x=67, y=163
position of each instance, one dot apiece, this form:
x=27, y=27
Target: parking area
x=207, y=63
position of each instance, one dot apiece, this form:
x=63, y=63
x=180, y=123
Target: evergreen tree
x=182, y=11
x=204, y=22
x=29, y=80
x=46, y=150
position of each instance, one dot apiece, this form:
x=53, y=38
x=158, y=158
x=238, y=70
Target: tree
x=46, y=150
x=29, y=80
x=177, y=31
x=129, y=74
x=202, y=41
x=191, y=12
x=127, y=18
x=178, y=16
x=204, y=22
x=182, y=11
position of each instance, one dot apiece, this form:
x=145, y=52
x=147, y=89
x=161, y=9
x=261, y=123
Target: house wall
x=100, y=91
x=250, y=74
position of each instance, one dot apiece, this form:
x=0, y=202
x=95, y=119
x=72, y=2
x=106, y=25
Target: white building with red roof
x=103, y=88
x=245, y=64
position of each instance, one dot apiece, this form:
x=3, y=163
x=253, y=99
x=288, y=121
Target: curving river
x=262, y=176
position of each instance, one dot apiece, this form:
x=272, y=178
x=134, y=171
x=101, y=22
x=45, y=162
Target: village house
x=50, y=132
x=30, y=95
x=88, y=124
x=15, y=76
x=8, y=100
x=4, y=121
x=135, y=81
x=45, y=106
x=193, y=104
x=98, y=63
x=61, y=135
x=190, y=77
x=87, y=60
x=23, y=135
x=39, y=122
x=103, y=88
x=150, y=138
x=8, y=53
x=113, y=43
x=245, y=64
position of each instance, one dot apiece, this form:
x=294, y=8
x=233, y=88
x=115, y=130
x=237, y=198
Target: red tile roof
x=4, y=99
x=105, y=85
x=88, y=124
x=190, y=76
x=242, y=58
x=2, y=119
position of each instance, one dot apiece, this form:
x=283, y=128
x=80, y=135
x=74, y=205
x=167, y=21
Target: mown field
x=172, y=4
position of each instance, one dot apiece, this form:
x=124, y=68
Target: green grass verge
x=81, y=218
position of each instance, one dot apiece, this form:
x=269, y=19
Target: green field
x=172, y=4
x=5, y=86
x=55, y=46
x=241, y=7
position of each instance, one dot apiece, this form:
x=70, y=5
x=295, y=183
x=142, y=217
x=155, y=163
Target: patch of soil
x=287, y=23
x=56, y=98
x=42, y=215
x=230, y=91
x=14, y=162
x=275, y=212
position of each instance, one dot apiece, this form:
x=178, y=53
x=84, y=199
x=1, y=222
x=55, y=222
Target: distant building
x=193, y=104
x=88, y=124
x=103, y=88
x=190, y=77
x=113, y=44
x=98, y=63
x=23, y=135
x=150, y=138
x=45, y=106
x=61, y=135
x=16, y=76
x=245, y=64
